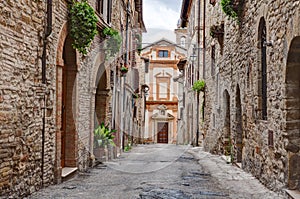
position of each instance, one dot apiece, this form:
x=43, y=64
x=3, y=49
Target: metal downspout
x=48, y=30
x=124, y=77
x=198, y=69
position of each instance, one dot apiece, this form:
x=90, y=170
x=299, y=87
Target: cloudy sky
x=160, y=17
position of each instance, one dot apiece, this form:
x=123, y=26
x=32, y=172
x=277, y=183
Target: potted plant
x=124, y=69
x=83, y=25
x=199, y=85
x=103, y=136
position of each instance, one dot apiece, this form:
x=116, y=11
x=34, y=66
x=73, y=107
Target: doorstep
x=293, y=193
x=66, y=171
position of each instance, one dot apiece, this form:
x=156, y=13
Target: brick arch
x=60, y=46
x=99, y=85
x=98, y=69
x=292, y=101
x=66, y=103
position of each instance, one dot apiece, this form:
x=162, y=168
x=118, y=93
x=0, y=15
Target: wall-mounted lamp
x=145, y=89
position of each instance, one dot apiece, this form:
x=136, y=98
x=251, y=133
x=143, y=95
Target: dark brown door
x=162, y=136
x=63, y=110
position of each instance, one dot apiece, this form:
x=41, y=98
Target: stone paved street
x=161, y=171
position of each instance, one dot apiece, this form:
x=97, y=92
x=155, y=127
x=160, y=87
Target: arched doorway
x=226, y=132
x=293, y=113
x=66, y=103
x=101, y=98
x=239, y=127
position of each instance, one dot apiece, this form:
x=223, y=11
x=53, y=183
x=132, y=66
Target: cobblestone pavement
x=161, y=172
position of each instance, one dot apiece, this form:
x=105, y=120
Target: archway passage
x=226, y=133
x=68, y=106
x=239, y=127
x=101, y=99
x=293, y=113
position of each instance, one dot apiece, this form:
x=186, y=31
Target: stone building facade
x=48, y=114
x=251, y=69
x=190, y=27
x=162, y=102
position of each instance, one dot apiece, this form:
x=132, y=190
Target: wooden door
x=162, y=129
x=63, y=117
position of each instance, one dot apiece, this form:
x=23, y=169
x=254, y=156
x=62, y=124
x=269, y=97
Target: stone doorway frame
x=292, y=107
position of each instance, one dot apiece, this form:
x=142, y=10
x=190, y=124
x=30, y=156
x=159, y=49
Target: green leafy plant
x=127, y=147
x=135, y=95
x=229, y=151
x=199, y=85
x=103, y=136
x=113, y=42
x=124, y=69
x=83, y=23
x=228, y=8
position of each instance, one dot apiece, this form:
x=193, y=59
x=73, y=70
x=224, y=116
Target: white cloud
x=158, y=14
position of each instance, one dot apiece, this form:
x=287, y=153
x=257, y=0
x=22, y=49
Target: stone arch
x=99, y=87
x=66, y=102
x=227, y=125
x=239, y=126
x=293, y=113
x=101, y=99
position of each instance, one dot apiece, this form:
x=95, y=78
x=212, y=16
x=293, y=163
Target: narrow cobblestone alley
x=161, y=171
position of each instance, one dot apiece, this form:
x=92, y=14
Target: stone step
x=293, y=194
x=68, y=172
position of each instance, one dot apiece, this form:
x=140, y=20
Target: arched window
x=262, y=81
x=182, y=41
x=264, y=70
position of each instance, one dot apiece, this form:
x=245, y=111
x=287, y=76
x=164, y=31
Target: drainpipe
x=124, y=76
x=204, y=46
x=203, y=53
x=48, y=30
x=198, y=71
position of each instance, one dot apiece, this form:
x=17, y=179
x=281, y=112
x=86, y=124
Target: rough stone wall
x=22, y=101
x=22, y=97
x=239, y=65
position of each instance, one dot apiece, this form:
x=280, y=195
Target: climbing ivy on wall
x=83, y=24
x=228, y=8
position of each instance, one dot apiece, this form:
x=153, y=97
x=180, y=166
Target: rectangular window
x=271, y=138
x=147, y=66
x=163, y=53
x=109, y=4
x=213, y=60
x=163, y=90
